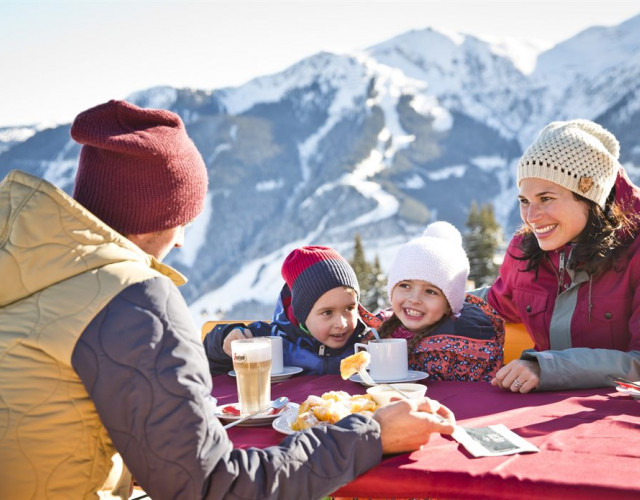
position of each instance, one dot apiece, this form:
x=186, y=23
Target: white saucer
x=287, y=372
x=264, y=418
x=412, y=376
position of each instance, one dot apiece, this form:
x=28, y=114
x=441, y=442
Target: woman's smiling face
x=552, y=212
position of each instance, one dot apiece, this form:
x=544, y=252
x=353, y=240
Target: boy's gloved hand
x=235, y=334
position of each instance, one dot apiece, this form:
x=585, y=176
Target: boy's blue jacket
x=299, y=348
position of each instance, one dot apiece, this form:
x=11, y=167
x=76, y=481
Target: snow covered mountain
x=10, y=136
x=379, y=143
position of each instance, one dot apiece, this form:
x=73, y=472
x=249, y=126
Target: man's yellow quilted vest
x=59, y=266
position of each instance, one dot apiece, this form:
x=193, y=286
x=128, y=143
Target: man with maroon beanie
x=139, y=173
x=99, y=358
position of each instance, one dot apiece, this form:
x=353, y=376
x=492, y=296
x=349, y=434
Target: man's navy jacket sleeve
x=144, y=367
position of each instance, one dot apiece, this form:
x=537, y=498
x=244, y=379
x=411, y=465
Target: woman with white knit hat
x=450, y=336
x=572, y=273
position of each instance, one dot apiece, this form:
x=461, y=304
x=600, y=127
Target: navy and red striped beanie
x=310, y=272
x=139, y=172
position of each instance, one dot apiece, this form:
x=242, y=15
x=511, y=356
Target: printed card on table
x=492, y=441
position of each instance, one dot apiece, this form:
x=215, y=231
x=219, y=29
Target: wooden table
x=589, y=444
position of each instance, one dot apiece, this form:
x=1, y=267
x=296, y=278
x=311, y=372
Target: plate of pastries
x=324, y=410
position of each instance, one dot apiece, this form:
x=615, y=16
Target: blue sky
x=61, y=57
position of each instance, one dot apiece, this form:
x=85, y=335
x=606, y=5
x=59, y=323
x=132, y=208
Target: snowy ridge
x=324, y=69
x=161, y=97
x=464, y=72
x=9, y=136
x=196, y=235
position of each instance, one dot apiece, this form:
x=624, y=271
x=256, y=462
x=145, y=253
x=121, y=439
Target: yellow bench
x=516, y=340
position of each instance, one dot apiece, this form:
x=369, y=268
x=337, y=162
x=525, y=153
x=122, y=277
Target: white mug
x=277, y=365
x=389, y=359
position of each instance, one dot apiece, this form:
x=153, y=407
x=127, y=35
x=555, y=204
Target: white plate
x=287, y=372
x=264, y=418
x=412, y=376
x=630, y=392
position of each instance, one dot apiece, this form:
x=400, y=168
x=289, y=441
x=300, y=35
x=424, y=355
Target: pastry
x=331, y=407
x=354, y=363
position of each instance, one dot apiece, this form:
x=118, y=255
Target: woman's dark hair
x=600, y=244
x=392, y=323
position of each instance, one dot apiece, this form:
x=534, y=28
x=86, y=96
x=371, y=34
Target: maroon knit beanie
x=138, y=172
x=312, y=271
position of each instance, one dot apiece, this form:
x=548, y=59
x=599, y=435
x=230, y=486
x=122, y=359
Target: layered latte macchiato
x=252, y=364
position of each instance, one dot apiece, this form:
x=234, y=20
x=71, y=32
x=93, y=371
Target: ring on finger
x=517, y=383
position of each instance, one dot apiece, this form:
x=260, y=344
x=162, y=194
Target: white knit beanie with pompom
x=437, y=257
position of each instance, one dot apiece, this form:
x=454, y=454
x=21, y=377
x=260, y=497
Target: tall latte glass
x=252, y=364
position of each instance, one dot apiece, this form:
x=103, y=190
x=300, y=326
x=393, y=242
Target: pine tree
x=377, y=296
x=370, y=277
x=481, y=241
x=360, y=264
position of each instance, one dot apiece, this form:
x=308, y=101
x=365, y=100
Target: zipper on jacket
x=325, y=359
x=561, y=268
x=560, y=272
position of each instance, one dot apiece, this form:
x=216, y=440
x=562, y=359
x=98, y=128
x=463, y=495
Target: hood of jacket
x=627, y=194
x=47, y=237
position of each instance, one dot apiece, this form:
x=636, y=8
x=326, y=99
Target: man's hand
x=235, y=334
x=406, y=425
x=518, y=376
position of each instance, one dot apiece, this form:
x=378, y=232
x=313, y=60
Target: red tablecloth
x=589, y=444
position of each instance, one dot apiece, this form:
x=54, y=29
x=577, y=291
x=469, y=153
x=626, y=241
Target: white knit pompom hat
x=437, y=257
x=579, y=155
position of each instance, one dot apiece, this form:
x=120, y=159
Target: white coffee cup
x=252, y=364
x=389, y=359
x=277, y=365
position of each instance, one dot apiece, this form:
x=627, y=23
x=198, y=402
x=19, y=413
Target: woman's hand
x=235, y=334
x=518, y=376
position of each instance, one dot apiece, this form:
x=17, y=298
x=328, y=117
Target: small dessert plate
x=629, y=392
x=231, y=412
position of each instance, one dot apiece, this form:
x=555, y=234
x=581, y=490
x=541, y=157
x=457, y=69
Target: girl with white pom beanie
x=450, y=336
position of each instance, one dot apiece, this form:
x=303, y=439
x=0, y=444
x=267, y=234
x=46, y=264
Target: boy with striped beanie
x=316, y=315
x=310, y=272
